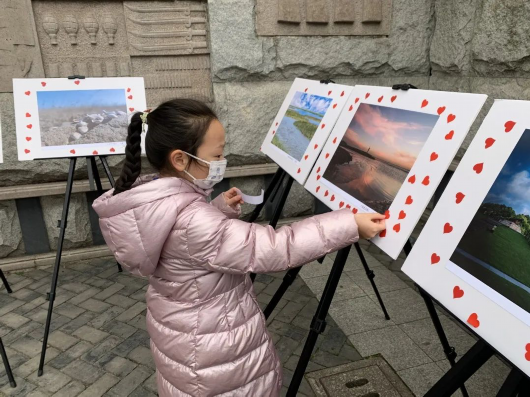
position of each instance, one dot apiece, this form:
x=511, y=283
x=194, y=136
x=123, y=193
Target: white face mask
x=215, y=174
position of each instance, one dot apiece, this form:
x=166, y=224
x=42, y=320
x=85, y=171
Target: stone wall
x=477, y=46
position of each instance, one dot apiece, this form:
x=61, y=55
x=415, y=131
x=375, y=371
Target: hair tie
x=143, y=116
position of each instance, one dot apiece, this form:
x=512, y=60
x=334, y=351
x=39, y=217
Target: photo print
x=388, y=152
x=303, y=124
x=472, y=255
x=58, y=118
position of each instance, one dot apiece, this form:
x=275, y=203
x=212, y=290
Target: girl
x=208, y=334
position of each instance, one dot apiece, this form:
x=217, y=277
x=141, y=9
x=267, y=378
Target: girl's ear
x=178, y=160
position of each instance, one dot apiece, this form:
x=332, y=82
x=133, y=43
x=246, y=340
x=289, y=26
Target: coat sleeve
x=233, y=246
x=220, y=203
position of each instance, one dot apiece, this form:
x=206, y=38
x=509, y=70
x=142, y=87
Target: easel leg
x=371, y=275
x=4, y=280
x=278, y=176
x=51, y=296
x=288, y=279
x=6, y=365
x=470, y=362
x=513, y=384
x=319, y=320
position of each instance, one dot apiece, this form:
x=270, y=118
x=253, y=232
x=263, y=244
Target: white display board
x=389, y=151
x=473, y=255
x=65, y=117
x=302, y=125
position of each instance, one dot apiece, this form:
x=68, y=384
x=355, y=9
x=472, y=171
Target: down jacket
x=208, y=334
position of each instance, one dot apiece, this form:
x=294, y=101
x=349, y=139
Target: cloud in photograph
x=313, y=103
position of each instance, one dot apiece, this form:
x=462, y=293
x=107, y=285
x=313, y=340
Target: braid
x=133, y=162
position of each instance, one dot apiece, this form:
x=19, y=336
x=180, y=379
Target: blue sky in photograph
x=81, y=98
x=512, y=186
x=313, y=103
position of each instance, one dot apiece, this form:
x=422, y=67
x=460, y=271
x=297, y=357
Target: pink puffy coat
x=208, y=334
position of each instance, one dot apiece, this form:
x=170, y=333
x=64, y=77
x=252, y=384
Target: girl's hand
x=370, y=225
x=233, y=197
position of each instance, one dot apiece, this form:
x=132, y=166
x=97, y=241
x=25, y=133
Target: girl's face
x=211, y=150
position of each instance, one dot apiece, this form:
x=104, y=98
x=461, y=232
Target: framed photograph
x=389, y=151
x=473, y=255
x=64, y=117
x=303, y=124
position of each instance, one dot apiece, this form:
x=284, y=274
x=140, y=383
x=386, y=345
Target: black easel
x=2, y=349
x=94, y=179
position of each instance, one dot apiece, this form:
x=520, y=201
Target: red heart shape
x=426, y=181
x=402, y=215
x=316, y=146
x=473, y=320
x=334, y=106
x=383, y=233
x=131, y=109
x=318, y=170
x=424, y=103
x=112, y=150
x=28, y=115
x=367, y=95
x=448, y=228
x=412, y=179
x=509, y=125
x=478, y=168
x=342, y=93
x=393, y=98
x=357, y=99
x=459, y=197
x=72, y=151
x=29, y=126
x=397, y=227
x=458, y=292
x=351, y=108
x=332, y=198
x=434, y=259
x=318, y=177
x=27, y=151
x=409, y=200
x=326, y=194
x=434, y=156
x=489, y=142
x=306, y=156
x=354, y=211
x=450, y=118
x=348, y=206
x=27, y=93
x=341, y=204
x=329, y=92
x=306, y=90
x=380, y=98
x=441, y=109
x=387, y=214
x=298, y=171
x=276, y=123
x=527, y=355
x=28, y=138
x=76, y=82
x=43, y=83
x=130, y=97
x=449, y=136
x=318, y=188
x=95, y=152
x=327, y=155
x=273, y=132
x=335, y=140
x=323, y=125
x=128, y=90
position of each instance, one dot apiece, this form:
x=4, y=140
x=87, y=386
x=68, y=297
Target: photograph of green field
x=300, y=123
x=496, y=246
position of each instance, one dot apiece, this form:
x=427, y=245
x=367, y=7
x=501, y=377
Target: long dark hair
x=175, y=124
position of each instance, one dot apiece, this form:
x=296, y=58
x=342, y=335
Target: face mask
x=215, y=174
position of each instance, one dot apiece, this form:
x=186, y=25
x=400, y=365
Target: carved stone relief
x=323, y=17
x=19, y=50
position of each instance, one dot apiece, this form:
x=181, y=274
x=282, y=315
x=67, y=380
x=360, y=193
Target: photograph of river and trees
x=300, y=123
x=377, y=152
x=496, y=246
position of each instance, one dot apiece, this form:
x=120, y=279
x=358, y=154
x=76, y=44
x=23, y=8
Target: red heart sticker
x=28, y=138
x=28, y=115
x=380, y=98
x=29, y=126
x=276, y=123
x=131, y=109
x=334, y=106
x=397, y=227
x=387, y=214
x=473, y=320
x=335, y=140
x=348, y=206
x=332, y=197
x=318, y=188
x=434, y=156
x=318, y=170
x=306, y=90
x=128, y=90
x=412, y=179
x=458, y=292
x=72, y=151
x=342, y=93
x=426, y=181
x=441, y=109
x=354, y=211
x=393, y=98
x=357, y=99
x=383, y=233
x=402, y=215
x=434, y=259
x=298, y=171
x=130, y=97
x=478, y=168
x=95, y=152
x=76, y=82
x=351, y=108
x=367, y=95
x=424, y=103
x=459, y=197
x=327, y=155
x=527, y=355
x=27, y=93
x=306, y=156
x=329, y=92
x=318, y=177
x=326, y=194
x=43, y=83
x=409, y=200
x=323, y=125
x=451, y=118
x=448, y=228
x=489, y=142
x=341, y=204
x=273, y=132
x=316, y=146
x=449, y=136
x=509, y=125
x=27, y=151
x=112, y=150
